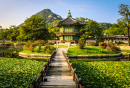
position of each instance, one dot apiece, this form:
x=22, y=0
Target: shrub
x=103, y=44
x=85, y=50
x=37, y=50
x=101, y=51
x=42, y=42
x=39, y=47
x=29, y=46
x=81, y=44
x=47, y=48
x=68, y=51
x=93, y=43
x=112, y=47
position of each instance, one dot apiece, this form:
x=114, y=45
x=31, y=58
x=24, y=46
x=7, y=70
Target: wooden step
x=58, y=64
x=49, y=73
x=57, y=86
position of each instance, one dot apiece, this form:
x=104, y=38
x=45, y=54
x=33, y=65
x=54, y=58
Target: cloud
x=59, y=2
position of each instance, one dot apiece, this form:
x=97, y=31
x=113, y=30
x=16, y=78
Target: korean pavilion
x=69, y=29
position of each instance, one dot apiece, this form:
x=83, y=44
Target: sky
x=15, y=12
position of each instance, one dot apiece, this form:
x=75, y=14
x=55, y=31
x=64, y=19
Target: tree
x=124, y=11
x=118, y=28
x=34, y=28
x=93, y=29
x=14, y=32
x=53, y=29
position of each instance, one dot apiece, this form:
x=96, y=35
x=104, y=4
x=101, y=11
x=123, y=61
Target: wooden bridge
x=57, y=73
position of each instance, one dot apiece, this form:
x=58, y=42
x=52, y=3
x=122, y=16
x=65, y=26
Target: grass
x=89, y=50
x=60, y=46
x=44, y=53
x=122, y=44
x=9, y=50
x=103, y=74
x=128, y=51
x=18, y=73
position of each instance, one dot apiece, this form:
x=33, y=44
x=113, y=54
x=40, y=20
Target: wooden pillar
x=73, y=37
x=73, y=29
x=63, y=37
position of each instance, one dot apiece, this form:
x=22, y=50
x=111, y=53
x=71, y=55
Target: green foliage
x=105, y=25
x=117, y=29
x=84, y=36
x=103, y=74
x=10, y=34
x=93, y=43
x=31, y=45
x=34, y=28
x=14, y=32
x=37, y=48
x=92, y=28
x=124, y=11
x=85, y=50
x=81, y=44
x=68, y=51
x=47, y=48
x=103, y=44
x=18, y=73
x=42, y=42
x=53, y=29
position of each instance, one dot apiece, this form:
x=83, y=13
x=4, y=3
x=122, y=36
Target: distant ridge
x=49, y=15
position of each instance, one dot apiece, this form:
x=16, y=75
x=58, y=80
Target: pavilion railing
x=73, y=71
x=36, y=83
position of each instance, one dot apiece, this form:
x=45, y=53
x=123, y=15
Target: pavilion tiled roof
x=70, y=21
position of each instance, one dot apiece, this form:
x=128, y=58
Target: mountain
x=49, y=15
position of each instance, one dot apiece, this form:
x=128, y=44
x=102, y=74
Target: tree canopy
x=118, y=28
x=34, y=28
x=91, y=28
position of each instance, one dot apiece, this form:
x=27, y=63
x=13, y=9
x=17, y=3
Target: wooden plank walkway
x=58, y=74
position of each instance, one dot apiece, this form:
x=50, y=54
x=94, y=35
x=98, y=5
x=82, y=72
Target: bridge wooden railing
x=73, y=71
x=36, y=83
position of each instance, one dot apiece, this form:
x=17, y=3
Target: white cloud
x=59, y=2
